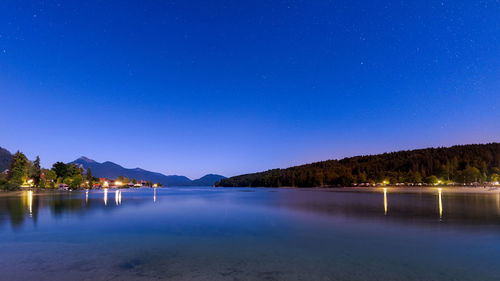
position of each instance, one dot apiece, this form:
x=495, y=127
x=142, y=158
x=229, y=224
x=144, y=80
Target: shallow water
x=248, y=234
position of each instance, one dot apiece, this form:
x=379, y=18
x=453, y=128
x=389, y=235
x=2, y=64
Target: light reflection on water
x=27, y=198
x=249, y=234
x=30, y=202
x=105, y=196
x=118, y=197
x=440, y=204
x=385, y=201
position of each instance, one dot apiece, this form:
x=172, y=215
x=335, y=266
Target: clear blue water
x=248, y=234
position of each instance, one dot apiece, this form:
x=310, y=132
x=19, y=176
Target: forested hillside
x=475, y=163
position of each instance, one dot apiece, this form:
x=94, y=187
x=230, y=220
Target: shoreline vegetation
x=456, y=168
x=25, y=174
x=473, y=165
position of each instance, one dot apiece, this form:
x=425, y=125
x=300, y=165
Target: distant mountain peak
x=86, y=159
x=109, y=163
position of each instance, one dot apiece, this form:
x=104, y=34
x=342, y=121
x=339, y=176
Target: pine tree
x=89, y=178
x=18, y=170
x=35, y=171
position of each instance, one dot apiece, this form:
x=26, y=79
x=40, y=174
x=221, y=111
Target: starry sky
x=232, y=87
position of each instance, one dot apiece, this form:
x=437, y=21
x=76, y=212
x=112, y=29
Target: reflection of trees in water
x=453, y=208
x=22, y=207
x=16, y=211
x=421, y=207
x=62, y=203
x=19, y=208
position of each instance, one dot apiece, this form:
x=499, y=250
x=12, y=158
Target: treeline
x=461, y=164
x=25, y=173
x=125, y=181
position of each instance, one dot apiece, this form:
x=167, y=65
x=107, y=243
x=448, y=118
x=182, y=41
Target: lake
x=248, y=234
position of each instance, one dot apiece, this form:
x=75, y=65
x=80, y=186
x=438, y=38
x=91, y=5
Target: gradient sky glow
x=231, y=87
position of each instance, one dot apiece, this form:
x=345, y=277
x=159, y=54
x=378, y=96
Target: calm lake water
x=248, y=234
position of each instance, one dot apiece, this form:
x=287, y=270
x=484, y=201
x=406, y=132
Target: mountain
x=207, y=180
x=111, y=170
x=5, y=158
x=473, y=163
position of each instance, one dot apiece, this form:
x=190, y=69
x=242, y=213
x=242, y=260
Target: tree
x=444, y=172
x=67, y=181
x=48, y=178
x=35, y=171
x=414, y=177
x=49, y=175
x=18, y=170
x=471, y=174
x=494, y=177
x=76, y=181
x=89, y=178
x=60, y=169
x=431, y=180
x=74, y=170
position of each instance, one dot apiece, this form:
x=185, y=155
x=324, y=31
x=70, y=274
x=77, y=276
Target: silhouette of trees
x=457, y=164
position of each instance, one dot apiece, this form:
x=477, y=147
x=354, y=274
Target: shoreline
x=394, y=189
x=378, y=189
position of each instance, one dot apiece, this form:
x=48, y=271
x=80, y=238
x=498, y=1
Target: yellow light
x=105, y=184
x=155, y=185
x=118, y=183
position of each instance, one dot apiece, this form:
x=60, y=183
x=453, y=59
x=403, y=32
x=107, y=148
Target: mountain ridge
x=108, y=169
x=5, y=158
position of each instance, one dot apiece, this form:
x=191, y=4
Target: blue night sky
x=231, y=87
